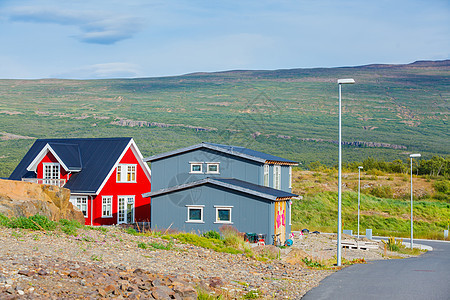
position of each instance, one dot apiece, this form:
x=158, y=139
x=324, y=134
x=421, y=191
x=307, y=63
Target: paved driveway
x=423, y=277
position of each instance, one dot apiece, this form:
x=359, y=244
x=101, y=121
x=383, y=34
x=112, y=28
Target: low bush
x=212, y=234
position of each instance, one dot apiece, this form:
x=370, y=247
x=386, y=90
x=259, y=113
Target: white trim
x=191, y=164
x=290, y=177
x=290, y=211
x=110, y=206
x=208, y=164
x=277, y=177
x=223, y=207
x=266, y=171
x=126, y=199
x=143, y=164
x=189, y=207
x=47, y=148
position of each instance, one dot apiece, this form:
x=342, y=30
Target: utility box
x=347, y=231
x=369, y=234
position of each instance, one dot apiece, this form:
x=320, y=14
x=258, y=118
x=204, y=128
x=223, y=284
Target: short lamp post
x=340, y=83
x=359, y=193
x=411, y=158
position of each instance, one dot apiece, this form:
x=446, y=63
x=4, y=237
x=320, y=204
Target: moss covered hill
x=392, y=110
x=385, y=202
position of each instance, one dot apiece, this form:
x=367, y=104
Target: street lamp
x=340, y=83
x=411, y=157
x=359, y=192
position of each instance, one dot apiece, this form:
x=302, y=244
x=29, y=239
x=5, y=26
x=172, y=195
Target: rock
x=109, y=289
x=186, y=291
x=73, y=274
x=160, y=294
x=215, y=282
x=24, y=199
x=26, y=273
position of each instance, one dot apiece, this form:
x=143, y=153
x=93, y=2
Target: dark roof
x=232, y=150
x=230, y=183
x=96, y=157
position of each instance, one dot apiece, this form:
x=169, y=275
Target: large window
x=81, y=203
x=195, y=213
x=277, y=177
x=126, y=173
x=266, y=175
x=196, y=167
x=223, y=214
x=125, y=210
x=51, y=170
x=106, y=206
x=212, y=168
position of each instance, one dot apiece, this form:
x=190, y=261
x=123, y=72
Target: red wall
x=115, y=189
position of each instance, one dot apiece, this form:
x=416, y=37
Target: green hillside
x=391, y=111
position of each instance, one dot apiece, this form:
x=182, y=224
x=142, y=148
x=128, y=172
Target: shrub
x=4, y=221
x=131, y=231
x=442, y=186
x=212, y=234
x=36, y=222
x=142, y=245
x=382, y=191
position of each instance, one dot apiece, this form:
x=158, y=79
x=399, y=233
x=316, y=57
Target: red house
x=106, y=176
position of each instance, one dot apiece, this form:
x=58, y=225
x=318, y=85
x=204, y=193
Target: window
x=106, y=206
x=277, y=177
x=125, y=210
x=81, y=203
x=126, y=173
x=266, y=175
x=196, y=167
x=290, y=176
x=223, y=214
x=212, y=168
x=51, y=170
x=195, y=213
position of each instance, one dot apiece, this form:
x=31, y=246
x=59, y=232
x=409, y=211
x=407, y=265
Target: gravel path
x=96, y=264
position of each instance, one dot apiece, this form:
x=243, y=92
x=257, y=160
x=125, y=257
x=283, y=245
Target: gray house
x=204, y=186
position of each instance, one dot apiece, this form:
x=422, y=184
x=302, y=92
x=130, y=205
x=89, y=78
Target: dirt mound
x=24, y=199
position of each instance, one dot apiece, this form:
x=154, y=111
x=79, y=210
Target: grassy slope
x=403, y=105
x=385, y=216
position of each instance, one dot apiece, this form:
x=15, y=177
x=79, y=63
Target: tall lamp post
x=411, y=158
x=359, y=192
x=340, y=83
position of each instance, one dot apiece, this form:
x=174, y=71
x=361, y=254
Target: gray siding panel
x=249, y=213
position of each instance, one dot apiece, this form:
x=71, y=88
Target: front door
x=125, y=213
x=280, y=221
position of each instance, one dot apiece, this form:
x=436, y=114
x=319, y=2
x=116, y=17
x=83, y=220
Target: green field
x=290, y=113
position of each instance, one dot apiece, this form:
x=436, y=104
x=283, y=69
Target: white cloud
x=105, y=70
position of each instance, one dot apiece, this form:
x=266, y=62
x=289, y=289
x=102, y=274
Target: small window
x=81, y=203
x=106, y=206
x=223, y=214
x=290, y=177
x=195, y=213
x=126, y=173
x=266, y=175
x=196, y=168
x=212, y=168
x=277, y=177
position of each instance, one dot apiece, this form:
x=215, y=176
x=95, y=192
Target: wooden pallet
x=351, y=244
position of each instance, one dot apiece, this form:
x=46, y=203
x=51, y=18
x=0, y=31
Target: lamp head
x=346, y=81
x=360, y=167
x=415, y=155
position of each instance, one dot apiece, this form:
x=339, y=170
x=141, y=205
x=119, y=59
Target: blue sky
x=84, y=39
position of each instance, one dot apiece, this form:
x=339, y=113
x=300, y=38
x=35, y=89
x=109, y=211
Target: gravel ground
x=96, y=264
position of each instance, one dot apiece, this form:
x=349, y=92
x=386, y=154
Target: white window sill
x=196, y=173
x=126, y=181
x=217, y=173
x=107, y=217
x=199, y=222
x=223, y=222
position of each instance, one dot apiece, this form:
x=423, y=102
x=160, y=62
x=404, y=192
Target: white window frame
x=189, y=207
x=290, y=211
x=107, y=206
x=123, y=170
x=223, y=207
x=78, y=202
x=290, y=177
x=212, y=164
x=277, y=177
x=52, y=170
x=192, y=164
x=126, y=199
x=266, y=175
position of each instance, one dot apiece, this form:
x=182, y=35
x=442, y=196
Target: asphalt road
x=423, y=277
